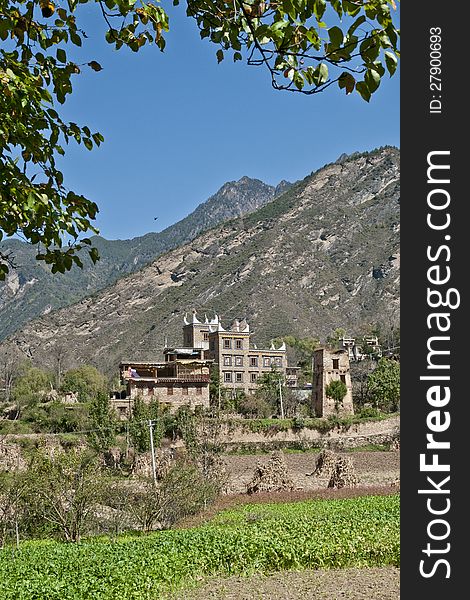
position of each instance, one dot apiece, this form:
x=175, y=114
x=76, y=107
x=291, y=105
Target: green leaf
x=363, y=90
x=75, y=39
x=111, y=36
x=319, y=7
x=391, y=61
x=347, y=82
x=356, y=24
x=372, y=79
x=61, y=55
x=320, y=75
x=220, y=55
x=336, y=36
x=95, y=65
x=94, y=255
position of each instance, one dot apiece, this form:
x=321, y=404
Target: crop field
x=253, y=538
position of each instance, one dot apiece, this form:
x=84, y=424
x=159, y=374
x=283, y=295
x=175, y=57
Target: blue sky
x=177, y=126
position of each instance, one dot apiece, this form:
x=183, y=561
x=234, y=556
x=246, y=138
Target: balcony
x=183, y=378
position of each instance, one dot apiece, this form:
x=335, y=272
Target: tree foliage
x=64, y=490
x=85, y=381
x=271, y=386
x=304, y=349
x=334, y=337
x=139, y=431
x=290, y=38
x=102, y=423
x=384, y=385
x=336, y=390
x=31, y=387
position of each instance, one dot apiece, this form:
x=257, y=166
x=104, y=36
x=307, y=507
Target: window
x=184, y=390
x=227, y=343
x=343, y=378
x=199, y=391
x=239, y=361
x=266, y=361
x=227, y=361
x=169, y=390
x=278, y=361
x=206, y=336
x=336, y=363
x=253, y=361
x=227, y=376
x=253, y=377
x=238, y=377
x=238, y=344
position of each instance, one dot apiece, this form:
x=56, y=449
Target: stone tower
x=329, y=365
x=195, y=333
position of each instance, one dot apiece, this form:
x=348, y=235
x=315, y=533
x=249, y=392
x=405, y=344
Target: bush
x=255, y=406
x=368, y=412
x=183, y=490
x=336, y=390
x=14, y=427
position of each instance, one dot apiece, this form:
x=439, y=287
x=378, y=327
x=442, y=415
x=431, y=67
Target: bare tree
x=65, y=490
x=182, y=491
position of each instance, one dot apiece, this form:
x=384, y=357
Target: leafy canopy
x=288, y=37
x=336, y=390
x=384, y=384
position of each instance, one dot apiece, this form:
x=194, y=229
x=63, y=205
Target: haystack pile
x=272, y=476
x=344, y=474
x=325, y=465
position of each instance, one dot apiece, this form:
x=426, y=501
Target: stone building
x=367, y=347
x=240, y=362
x=181, y=380
x=330, y=365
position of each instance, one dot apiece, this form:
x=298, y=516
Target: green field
x=252, y=538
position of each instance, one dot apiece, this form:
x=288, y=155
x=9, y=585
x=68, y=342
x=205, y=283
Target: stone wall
x=371, y=432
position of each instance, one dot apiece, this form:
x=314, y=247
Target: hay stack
x=325, y=464
x=272, y=476
x=344, y=474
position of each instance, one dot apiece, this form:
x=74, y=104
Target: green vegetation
x=85, y=381
x=35, y=402
x=336, y=390
x=320, y=424
x=102, y=422
x=253, y=538
x=384, y=385
x=303, y=350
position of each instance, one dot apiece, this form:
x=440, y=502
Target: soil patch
x=378, y=583
x=371, y=468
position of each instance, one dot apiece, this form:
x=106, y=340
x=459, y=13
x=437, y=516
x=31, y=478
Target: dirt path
x=344, y=584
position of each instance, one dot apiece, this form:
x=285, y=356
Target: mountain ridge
x=322, y=255
x=31, y=290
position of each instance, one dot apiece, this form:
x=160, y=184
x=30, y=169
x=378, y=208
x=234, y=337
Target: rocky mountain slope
x=31, y=290
x=324, y=254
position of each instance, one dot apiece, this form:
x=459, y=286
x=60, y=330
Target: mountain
x=324, y=254
x=31, y=290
